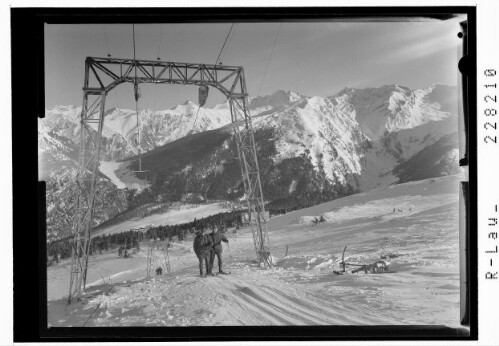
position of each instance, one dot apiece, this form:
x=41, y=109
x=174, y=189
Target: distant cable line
x=133, y=34
x=116, y=97
x=107, y=44
x=228, y=34
x=216, y=62
x=195, y=119
x=228, y=44
x=270, y=58
x=160, y=39
x=158, y=58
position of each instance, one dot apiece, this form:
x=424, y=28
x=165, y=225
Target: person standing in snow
x=217, y=237
x=202, y=248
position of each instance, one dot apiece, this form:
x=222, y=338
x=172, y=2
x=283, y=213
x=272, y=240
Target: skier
x=202, y=247
x=217, y=237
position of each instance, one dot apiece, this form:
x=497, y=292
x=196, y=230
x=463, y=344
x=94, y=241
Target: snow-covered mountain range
x=357, y=140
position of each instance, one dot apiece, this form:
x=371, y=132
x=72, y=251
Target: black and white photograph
x=253, y=173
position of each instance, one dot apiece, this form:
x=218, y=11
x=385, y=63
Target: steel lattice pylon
x=101, y=76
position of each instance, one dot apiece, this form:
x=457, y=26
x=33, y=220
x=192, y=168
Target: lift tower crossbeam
x=104, y=74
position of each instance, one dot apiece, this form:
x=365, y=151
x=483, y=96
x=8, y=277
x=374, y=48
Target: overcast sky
x=314, y=59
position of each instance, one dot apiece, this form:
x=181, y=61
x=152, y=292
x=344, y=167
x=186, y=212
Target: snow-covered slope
x=333, y=138
x=417, y=222
x=358, y=135
x=392, y=108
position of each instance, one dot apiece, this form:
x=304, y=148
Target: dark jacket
x=217, y=238
x=202, y=244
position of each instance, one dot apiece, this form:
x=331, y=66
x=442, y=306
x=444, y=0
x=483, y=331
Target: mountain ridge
x=310, y=148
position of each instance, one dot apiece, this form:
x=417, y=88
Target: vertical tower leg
x=245, y=142
x=91, y=124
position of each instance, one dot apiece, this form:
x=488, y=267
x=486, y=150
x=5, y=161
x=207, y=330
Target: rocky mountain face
x=310, y=149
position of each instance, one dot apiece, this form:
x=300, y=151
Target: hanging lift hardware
x=136, y=91
x=136, y=94
x=202, y=95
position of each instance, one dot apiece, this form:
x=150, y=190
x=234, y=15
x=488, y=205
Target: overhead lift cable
x=107, y=44
x=158, y=58
x=218, y=57
x=108, y=53
x=160, y=39
x=270, y=58
x=231, y=35
x=204, y=88
x=137, y=96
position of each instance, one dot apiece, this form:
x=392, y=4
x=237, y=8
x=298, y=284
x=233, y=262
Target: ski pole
x=230, y=252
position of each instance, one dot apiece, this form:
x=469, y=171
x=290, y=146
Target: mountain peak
x=382, y=91
x=279, y=99
x=393, y=107
x=187, y=105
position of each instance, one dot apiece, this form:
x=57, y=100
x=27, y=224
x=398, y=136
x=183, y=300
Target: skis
x=224, y=273
x=383, y=272
x=214, y=274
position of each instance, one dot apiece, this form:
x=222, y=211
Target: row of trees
x=131, y=239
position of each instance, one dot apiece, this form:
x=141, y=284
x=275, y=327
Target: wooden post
x=167, y=259
x=343, y=259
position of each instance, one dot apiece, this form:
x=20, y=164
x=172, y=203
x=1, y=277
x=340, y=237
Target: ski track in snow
x=423, y=287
